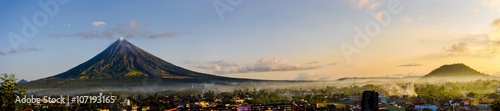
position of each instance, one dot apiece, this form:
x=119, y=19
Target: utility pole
x=354, y=83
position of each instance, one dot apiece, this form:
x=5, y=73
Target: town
x=445, y=96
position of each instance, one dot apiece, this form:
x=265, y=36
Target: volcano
x=123, y=59
x=124, y=63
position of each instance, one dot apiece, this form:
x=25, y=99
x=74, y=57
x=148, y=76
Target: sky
x=260, y=39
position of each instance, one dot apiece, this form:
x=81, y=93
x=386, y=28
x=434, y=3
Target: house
x=244, y=108
x=237, y=100
x=401, y=103
x=217, y=100
x=383, y=100
x=201, y=104
x=484, y=107
x=126, y=102
x=394, y=108
x=427, y=106
x=382, y=106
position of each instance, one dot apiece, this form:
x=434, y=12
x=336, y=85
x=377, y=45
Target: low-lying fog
x=389, y=85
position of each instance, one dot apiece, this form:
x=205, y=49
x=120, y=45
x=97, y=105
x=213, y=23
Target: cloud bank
x=265, y=64
x=481, y=44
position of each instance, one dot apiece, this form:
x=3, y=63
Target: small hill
x=457, y=71
x=22, y=81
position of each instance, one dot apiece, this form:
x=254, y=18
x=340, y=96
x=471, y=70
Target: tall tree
x=9, y=90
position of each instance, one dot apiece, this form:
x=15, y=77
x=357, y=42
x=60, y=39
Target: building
x=427, y=106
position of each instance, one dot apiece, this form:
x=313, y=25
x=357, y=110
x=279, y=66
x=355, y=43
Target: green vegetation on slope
x=134, y=73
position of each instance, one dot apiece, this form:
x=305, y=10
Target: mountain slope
x=123, y=59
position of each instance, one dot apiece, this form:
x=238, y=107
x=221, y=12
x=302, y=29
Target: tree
x=153, y=101
x=495, y=106
x=9, y=90
x=209, y=95
x=427, y=109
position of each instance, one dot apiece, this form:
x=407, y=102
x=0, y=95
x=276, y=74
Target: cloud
x=489, y=39
x=402, y=75
x=492, y=2
x=163, y=35
x=480, y=42
x=494, y=34
x=265, y=64
x=492, y=6
x=461, y=47
x=215, y=65
x=410, y=65
x=311, y=76
x=360, y=4
x=98, y=23
x=410, y=19
x=489, y=49
x=374, y=6
x=379, y=15
x=312, y=62
x=19, y=50
x=331, y=64
x=132, y=30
